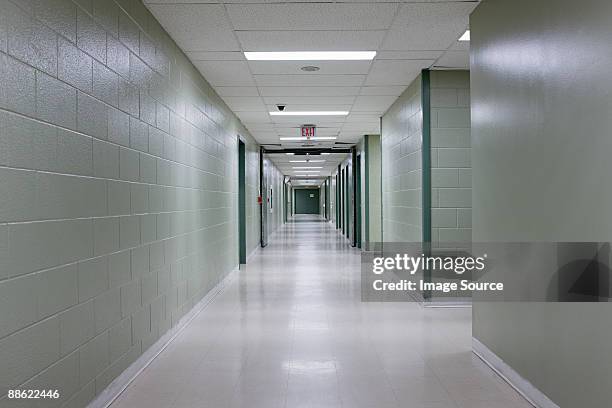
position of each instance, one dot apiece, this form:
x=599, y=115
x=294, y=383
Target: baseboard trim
x=534, y=396
x=447, y=303
x=119, y=384
x=253, y=252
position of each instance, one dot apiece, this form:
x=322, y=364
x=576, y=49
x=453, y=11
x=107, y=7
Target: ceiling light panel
x=310, y=113
x=311, y=56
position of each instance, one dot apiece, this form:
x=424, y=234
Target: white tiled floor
x=291, y=331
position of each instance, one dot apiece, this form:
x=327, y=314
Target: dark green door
x=306, y=201
x=358, y=202
x=241, y=203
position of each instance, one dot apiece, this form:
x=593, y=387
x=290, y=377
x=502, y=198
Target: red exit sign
x=308, y=131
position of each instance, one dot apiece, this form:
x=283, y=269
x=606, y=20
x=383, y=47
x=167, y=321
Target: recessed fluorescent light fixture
x=310, y=56
x=314, y=167
x=290, y=154
x=325, y=153
x=306, y=161
x=303, y=139
x=310, y=113
x=465, y=36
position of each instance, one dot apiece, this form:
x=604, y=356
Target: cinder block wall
x=118, y=181
x=401, y=141
x=451, y=176
x=451, y=166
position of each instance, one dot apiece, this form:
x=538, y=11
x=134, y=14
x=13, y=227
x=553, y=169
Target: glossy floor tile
x=290, y=330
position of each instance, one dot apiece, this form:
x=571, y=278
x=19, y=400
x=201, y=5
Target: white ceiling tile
x=216, y=55
x=263, y=133
x=389, y=72
x=373, y=103
x=237, y=90
x=311, y=16
x=269, y=141
x=325, y=67
x=382, y=90
x=400, y=55
x=225, y=73
x=310, y=40
x=309, y=100
x=344, y=136
x=353, y=137
x=266, y=138
x=428, y=26
x=326, y=121
x=308, y=90
x=362, y=118
x=454, y=59
x=245, y=103
x=253, y=117
x=309, y=80
x=259, y=127
x=421, y=33
x=360, y=127
x=197, y=27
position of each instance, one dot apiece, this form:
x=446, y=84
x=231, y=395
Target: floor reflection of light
x=311, y=366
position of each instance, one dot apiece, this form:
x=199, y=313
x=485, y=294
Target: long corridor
x=290, y=330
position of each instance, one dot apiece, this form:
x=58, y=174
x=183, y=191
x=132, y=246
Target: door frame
x=242, y=244
x=263, y=228
x=357, y=201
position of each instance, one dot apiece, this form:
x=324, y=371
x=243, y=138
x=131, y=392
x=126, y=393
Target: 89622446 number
x=33, y=394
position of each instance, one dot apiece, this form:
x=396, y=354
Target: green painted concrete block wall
x=451, y=178
x=401, y=143
x=118, y=184
x=451, y=166
x=375, y=185
x=540, y=90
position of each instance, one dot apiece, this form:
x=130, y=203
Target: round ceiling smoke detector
x=310, y=68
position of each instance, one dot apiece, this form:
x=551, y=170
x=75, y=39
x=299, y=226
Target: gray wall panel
x=541, y=155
